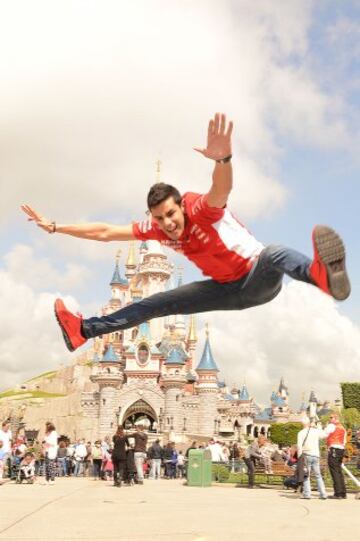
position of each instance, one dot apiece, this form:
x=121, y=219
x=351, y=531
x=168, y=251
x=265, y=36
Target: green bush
x=220, y=473
x=285, y=433
x=351, y=394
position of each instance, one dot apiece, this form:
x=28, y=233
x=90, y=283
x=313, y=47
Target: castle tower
x=154, y=271
x=313, y=403
x=283, y=390
x=108, y=375
x=191, y=342
x=179, y=318
x=119, y=294
x=244, y=394
x=207, y=390
x=119, y=286
x=174, y=381
x=130, y=262
x=142, y=358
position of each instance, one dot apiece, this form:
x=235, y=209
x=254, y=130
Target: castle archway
x=140, y=412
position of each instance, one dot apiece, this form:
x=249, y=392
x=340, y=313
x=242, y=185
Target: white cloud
x=37, y=272
x=87, y=116
x=301, y=335
x=30, y=339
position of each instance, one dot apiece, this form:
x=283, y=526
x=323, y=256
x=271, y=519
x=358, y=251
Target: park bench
x=279, y=471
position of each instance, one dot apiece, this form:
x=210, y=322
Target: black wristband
x=225, y=160
x=53, y=224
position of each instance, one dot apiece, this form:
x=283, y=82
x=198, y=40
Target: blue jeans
x=155, y=468
x=62, y=461
x=139, y=462
x=259, y=286
x=79, y=467
x=313, y=466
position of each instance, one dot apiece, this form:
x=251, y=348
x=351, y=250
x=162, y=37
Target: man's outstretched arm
x=219, y=149
x=91, y=231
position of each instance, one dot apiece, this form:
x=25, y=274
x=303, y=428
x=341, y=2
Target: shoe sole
x=64, y=333
x=331, y=251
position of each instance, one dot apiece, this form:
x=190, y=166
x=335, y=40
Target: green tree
x=285, y=433
x=350, y=417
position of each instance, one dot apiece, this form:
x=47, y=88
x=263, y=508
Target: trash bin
x=199, y=470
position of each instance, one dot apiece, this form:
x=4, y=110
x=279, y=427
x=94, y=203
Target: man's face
x=170, y=218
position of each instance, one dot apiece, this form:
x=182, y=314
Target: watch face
x=143, y=354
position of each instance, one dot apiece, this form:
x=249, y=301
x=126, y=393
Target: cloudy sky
x=94, y=92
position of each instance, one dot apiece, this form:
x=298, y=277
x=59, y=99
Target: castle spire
x=158, y=171
x=131, y=262
x=192, y=337
x=207, y=361
x=116, y=278
x=180, y=276
x=244, y=394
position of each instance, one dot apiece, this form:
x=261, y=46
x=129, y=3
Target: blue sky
x=85, y=119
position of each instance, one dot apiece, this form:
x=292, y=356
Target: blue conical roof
x=279, y=401
x=207, y=361
x=144, y=330
x=174, y=357
x=244, y=394
x=116, y=279
x=303, y=406
x=110, y=355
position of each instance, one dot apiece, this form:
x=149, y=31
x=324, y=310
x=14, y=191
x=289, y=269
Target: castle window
x=134, y=334
x=143, y=354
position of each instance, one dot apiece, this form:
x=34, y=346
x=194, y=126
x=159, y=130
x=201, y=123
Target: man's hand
x=40, y=221
x=218, y=140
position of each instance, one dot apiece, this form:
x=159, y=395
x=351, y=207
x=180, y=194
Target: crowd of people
x=127, y=457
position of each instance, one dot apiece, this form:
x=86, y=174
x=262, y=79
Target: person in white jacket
x=80, y=454
x=51, y=449
x=308, y=444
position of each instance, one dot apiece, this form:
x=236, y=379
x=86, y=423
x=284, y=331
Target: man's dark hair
x=159, y=192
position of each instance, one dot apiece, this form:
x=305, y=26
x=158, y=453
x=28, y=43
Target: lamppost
x=118, y=413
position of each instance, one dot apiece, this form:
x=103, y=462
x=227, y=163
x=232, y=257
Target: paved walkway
x=163, y=510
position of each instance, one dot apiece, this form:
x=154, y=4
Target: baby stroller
x=26, y=470
x=296, y=481
x=15, y=467
x=292, y=482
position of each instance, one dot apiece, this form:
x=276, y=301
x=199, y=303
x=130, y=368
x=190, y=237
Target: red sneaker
x=70, y=326
x=328, y=267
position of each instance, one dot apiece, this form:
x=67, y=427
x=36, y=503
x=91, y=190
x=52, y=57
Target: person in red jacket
x=243, y=273
x=336, y=442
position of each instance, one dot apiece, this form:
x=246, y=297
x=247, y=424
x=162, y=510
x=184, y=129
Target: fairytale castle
x=149, y=374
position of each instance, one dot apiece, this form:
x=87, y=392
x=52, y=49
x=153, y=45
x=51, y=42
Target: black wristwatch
x=225, y=160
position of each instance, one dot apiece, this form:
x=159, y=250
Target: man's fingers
x=216, y=123
x=211, y=128
x=30, y=212
x=230, y=129
x=222, y=124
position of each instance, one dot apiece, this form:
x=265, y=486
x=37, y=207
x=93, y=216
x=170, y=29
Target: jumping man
x=243, y=273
